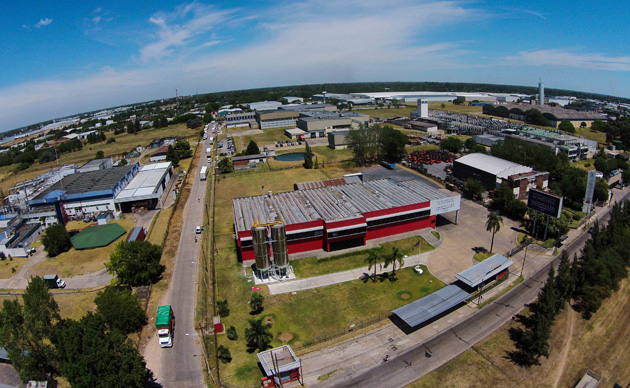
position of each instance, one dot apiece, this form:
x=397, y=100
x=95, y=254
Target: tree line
x=583, y=283
x=371, y=144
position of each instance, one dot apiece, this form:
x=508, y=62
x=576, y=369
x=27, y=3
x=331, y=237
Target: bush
x=231, y=333
x=577, y=217
x=223, y=354
x=222, y=308
x=587, y=165
x=256, y=302
x=110, y=140
x=136, y=263
x=56, y=240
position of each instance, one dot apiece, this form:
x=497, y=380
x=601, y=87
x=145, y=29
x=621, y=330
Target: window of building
x=304, y=235
x=347, y=232
x=399, y=218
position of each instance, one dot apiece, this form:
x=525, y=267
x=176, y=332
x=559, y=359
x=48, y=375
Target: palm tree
x=394, y=258
x=257, y=334
x=493, y=224
x=372, y=261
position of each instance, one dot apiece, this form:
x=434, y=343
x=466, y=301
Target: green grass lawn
x=9, y=267
x=449, y=106
x=159, y=226
x=481, y=256
x=265, y=137
x=312, y=266
x=307, y=315
x=403, y=110
x=583, y=164
x=588, y=133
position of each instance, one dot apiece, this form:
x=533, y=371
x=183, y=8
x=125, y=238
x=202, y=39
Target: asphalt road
x=426, y=357
x=182, y=365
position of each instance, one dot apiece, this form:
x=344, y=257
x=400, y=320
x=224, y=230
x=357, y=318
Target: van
x=198, y=230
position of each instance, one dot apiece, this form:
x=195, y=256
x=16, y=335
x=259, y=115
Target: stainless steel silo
x=279, y=246
x=261, y=251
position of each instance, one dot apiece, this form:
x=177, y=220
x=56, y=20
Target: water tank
x=261, y=252
x=279, y=246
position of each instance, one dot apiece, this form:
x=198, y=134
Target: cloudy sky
x=65, y=57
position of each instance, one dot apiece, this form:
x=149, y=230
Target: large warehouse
x=85, y=193
x=489, y=170
x=145, y=190
x=341, y=216
x=555, y=115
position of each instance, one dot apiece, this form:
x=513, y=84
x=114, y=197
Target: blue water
x=292, y=157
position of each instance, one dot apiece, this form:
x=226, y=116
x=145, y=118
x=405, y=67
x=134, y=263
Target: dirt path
x=567, y=346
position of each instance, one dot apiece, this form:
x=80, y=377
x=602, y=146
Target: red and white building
x=332, y=217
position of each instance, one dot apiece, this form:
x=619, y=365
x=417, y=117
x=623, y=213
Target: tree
x=391, y=144
x=582, y=124
x=533, y=116
x=257, y=335
x=625, y=176
x=601, y=191
x=232, y=334
x=458, y=101
x=100, y=155
x=256, y=302
x=493, y=223
x=136, y=263
x=470, y=143
x=473, y=189
x=223, y=354
x=504, y=201
x=56, y=240
x=567, y=126
x=252, y=148
x=308, y=157
x=92, y=356
x=26, y=331
x=225, y=166
x=121, y=310
x=172, y=156
x=363, y=143
x=564, y=282
x=222, y=308
x=316, y=166
x=373, y=260
x=394, y=258
x=452, y=144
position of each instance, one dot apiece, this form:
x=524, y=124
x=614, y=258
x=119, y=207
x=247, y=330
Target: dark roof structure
x=479, y=273
x=431, y=306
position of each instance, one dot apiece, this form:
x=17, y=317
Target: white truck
x=203, y=174
x=209, y=150
x=211, y=140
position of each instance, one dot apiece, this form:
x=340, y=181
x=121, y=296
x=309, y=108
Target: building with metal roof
x=431, y=306
x=146, y=188
x=86, y=193
x=487, y=169
x=555, y=115
x=495, y=266
x=96, y=164
x=331, y=216
x=281, y=363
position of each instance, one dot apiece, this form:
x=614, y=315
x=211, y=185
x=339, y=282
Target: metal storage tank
x=261, y=252
x=279, y=246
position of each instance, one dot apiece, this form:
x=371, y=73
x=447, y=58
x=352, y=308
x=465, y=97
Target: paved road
x=426, y=357
x=182, y=365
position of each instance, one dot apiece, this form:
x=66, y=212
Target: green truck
x=53, y=281
x=165, y=323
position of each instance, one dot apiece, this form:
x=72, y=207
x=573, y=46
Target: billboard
x=546, y=203
x=445, y=205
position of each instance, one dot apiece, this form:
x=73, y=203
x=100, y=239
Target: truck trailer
x=165, y=323
x=203, y=173
x=53, y=281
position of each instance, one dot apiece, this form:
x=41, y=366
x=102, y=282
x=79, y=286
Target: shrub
x=231, y=333
x=223, y=354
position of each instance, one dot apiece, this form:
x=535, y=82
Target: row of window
x=348, y=232
x=403, y=217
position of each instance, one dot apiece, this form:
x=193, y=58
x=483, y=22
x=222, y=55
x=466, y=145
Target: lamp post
x=525, y=257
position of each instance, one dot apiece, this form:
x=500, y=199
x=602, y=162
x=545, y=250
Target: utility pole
x=525, y=257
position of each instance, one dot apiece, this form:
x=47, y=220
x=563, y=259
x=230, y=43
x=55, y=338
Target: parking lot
x=437, y=169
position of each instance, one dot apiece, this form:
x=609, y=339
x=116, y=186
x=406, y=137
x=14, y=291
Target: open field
x=124, y=143
x=79, y=262
x=71, y=306
x=403, y=110
x=588, y=133
x=582, y=164
x=463, y=108
x=159, y=226
x=309, y=314
x=312, y=266
x=600, y=344
x=265, y=137
x=8, y=267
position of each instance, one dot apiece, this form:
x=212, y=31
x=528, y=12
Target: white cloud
x=96, y=19
x=179, y=28
x=43, y=22
x=566, y=58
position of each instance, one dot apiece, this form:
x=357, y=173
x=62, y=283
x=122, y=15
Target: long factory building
x=335, y=214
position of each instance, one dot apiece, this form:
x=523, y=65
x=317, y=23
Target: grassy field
x=124, y=143
x=9, y=267
x=588, y=133
x=481, y=256
x=312, y=266
x=79, y=262
x=313, y=313
x=403, y=110
x=159, y=226
x=582, y=164
x=600, y=344
x=265, y=137
x=449, y=106
x=71, y=306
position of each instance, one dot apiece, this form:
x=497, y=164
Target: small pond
x=291, y=157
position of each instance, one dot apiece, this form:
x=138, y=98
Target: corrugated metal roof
x=483, y=271
x=283, y=356
x=422, y=310
x=491, y=164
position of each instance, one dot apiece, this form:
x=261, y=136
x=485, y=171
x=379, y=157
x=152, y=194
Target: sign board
x=590, y=189
x=445, y=205
x=546, y=203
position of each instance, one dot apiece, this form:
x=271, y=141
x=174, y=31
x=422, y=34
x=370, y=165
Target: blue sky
x=65, y=57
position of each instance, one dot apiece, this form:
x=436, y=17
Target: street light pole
x=525, y=257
